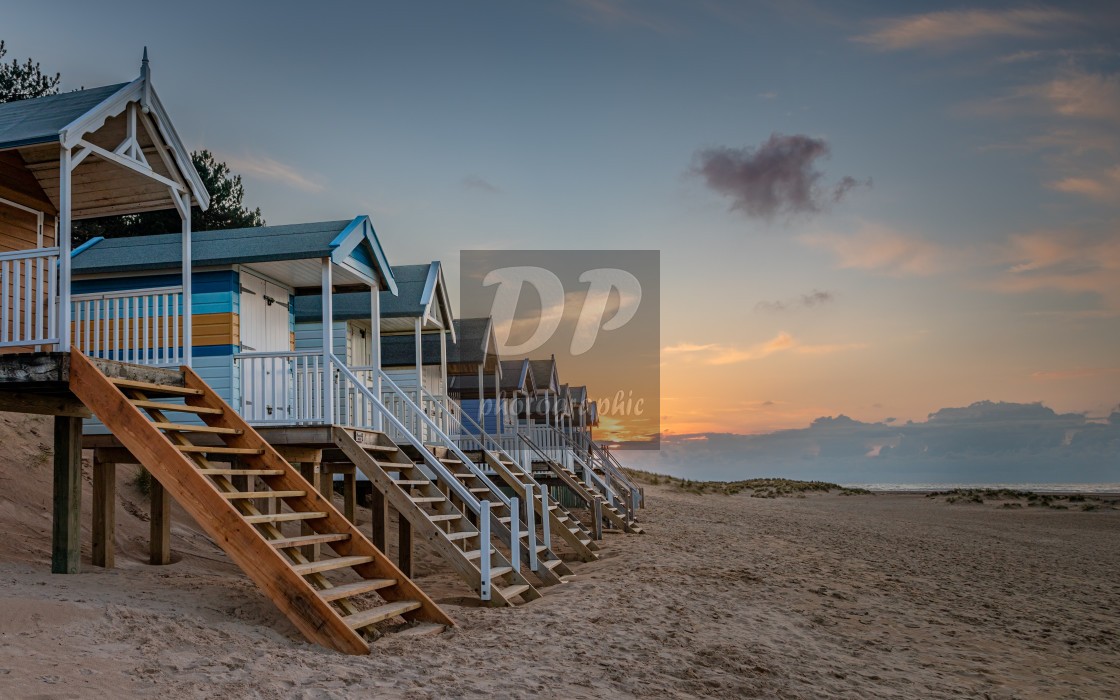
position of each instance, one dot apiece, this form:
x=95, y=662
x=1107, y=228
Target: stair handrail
x=626, y=488
x=444, y=437
x=461, y=491
x=609, y=461
x=482, y=438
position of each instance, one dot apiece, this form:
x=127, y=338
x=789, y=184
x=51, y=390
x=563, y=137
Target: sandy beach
x=726, y=596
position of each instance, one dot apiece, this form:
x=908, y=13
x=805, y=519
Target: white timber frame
x=142, y=110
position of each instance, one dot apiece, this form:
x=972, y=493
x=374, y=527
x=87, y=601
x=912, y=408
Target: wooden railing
x=141, y=326
x=29, y=298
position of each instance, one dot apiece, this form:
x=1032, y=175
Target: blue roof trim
x=88, y=244
x=357, y=231
x=430, y=285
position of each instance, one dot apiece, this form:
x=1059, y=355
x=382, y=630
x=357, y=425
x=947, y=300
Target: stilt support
x=66, y=550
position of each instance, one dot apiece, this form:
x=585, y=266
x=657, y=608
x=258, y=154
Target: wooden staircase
x=336, y=602
x=560, y=522
x=434, y=516
x=552, y=567
x=587, y=493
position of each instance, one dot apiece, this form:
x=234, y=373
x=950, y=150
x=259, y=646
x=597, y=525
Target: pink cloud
x=955, y=27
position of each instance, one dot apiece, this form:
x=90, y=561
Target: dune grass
x=758, y=488
x=1011, y=498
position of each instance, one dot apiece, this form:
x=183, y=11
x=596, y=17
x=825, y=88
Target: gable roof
x=545, y=374
x=474, y=344
x=421, y=293
x=400, y=350
x=517, y=375
x=333, y=239
x=41, y=119
x=68, y=118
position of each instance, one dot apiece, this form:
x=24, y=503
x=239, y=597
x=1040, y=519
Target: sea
x=1038, y=488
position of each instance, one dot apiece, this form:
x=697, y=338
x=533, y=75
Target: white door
x=266, y=382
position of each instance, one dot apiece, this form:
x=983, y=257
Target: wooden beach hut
x=113, y=150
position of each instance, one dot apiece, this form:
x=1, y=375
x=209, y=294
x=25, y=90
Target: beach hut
x=476, y=374
x=124, y=355
x=246, y=286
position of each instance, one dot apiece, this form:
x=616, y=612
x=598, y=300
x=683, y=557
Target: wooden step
x=411, y=482
x=464, y=475
x=314, y=567
x=379, y=448
x=499, y=571
x=513, y=591
x=204, y=449
x=422, y=629
x=180, y=428
x=441, y=518
x=242, y=472
x=480, y=489
x=159, y=389
x=283, y=517
x=476, y=553
x=450, y=460
x=348, y=590
x=427, y=499
x=160, y=406
x=553, y=563
x=455, y=536
x=286, y=542
x=237, y=495
x=366, y=618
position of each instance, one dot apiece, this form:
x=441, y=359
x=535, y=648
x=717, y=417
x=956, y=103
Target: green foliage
x=226, y=209
x=143, y=481
x=24, y=81
x=758, y=488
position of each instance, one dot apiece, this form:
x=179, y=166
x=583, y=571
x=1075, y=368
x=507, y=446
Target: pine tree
x=21, y=82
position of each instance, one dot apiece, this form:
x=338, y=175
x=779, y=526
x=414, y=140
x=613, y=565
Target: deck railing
x=29, y=298
x=141, y=326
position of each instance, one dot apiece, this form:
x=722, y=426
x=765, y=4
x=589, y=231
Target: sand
x=726, y=596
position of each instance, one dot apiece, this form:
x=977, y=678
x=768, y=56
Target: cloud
x=986, y=442
x=1104, y=187
x=878, y=248
x=717, y=354
x=1079, y=94
x=269, y=169
x=1067, y=261
x=952, y=28
x=805, y=301
x=620, y=12
x=767, y=95
x=780, y=176
x=474, y=182
x=1077, y=373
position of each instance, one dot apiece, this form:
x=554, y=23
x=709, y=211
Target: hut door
x=265, y=381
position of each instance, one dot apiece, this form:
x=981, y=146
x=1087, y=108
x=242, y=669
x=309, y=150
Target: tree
x=226, y=209
x=21, y=82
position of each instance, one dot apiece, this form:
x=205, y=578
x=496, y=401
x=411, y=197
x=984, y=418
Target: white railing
x=141, y=326
x=29, y=297
x=281, y=387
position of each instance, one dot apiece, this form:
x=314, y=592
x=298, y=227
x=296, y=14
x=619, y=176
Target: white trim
x=131, y=165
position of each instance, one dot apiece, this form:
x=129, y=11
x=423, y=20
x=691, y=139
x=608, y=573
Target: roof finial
x=144, y=63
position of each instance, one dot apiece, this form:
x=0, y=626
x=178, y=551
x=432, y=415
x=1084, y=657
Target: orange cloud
x=881, y=249
x=1064, y=261
x=955, y=27
x=1075, y=373
x=716, y=354
x=1104, y=188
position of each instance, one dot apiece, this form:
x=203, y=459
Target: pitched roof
x=40, y=119
x=472, y=341
x=418, y=288
x=400, y=350
x=517, y=375
x=231, y=246
x=545, y=374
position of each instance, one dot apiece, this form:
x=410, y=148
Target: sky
x=869, y=209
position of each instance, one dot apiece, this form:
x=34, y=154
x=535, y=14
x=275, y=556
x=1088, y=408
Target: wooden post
x=379, y=529
x=104, y=512
x=404, y=545
x=642, y=497
x=597, y=511
x=350, y=495
x=309, y=471
x=66, y=550
x=160, y=545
